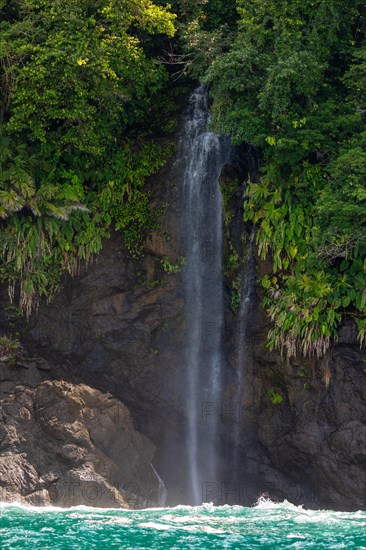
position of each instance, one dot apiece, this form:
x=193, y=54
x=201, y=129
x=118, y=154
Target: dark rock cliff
x=69, y=444
x=115, y=335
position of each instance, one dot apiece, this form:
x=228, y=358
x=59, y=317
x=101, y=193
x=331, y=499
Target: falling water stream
x=204, y=154
x=243, y=344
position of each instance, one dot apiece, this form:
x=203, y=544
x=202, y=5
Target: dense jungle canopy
x=87, y=99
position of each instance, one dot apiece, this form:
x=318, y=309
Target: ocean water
x=266, y=526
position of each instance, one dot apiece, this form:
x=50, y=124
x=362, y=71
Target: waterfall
x=203, y=155
x=162, y=492
x=246, y=291
x=242, y=346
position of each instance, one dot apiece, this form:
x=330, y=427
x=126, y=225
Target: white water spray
x=204, y=154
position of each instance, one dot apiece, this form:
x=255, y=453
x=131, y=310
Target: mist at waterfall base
x=265, y=526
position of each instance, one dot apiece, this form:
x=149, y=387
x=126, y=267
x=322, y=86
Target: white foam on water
x=82, y=508
x=264, y=503
x=154, y=525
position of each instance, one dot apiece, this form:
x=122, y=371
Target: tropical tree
x=79, y=98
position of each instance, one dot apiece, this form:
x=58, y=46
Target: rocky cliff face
x=69, y=444
x=113, y=338
x=310, y=425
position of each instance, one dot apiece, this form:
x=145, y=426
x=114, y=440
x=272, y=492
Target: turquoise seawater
x=267, y=526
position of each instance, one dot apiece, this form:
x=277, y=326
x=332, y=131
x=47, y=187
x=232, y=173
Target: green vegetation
x=86, y=99
x=9, y=349
x=233, y=266
x=172, y=267
x=275, y=397
x=79, y=104
x=293, y=84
